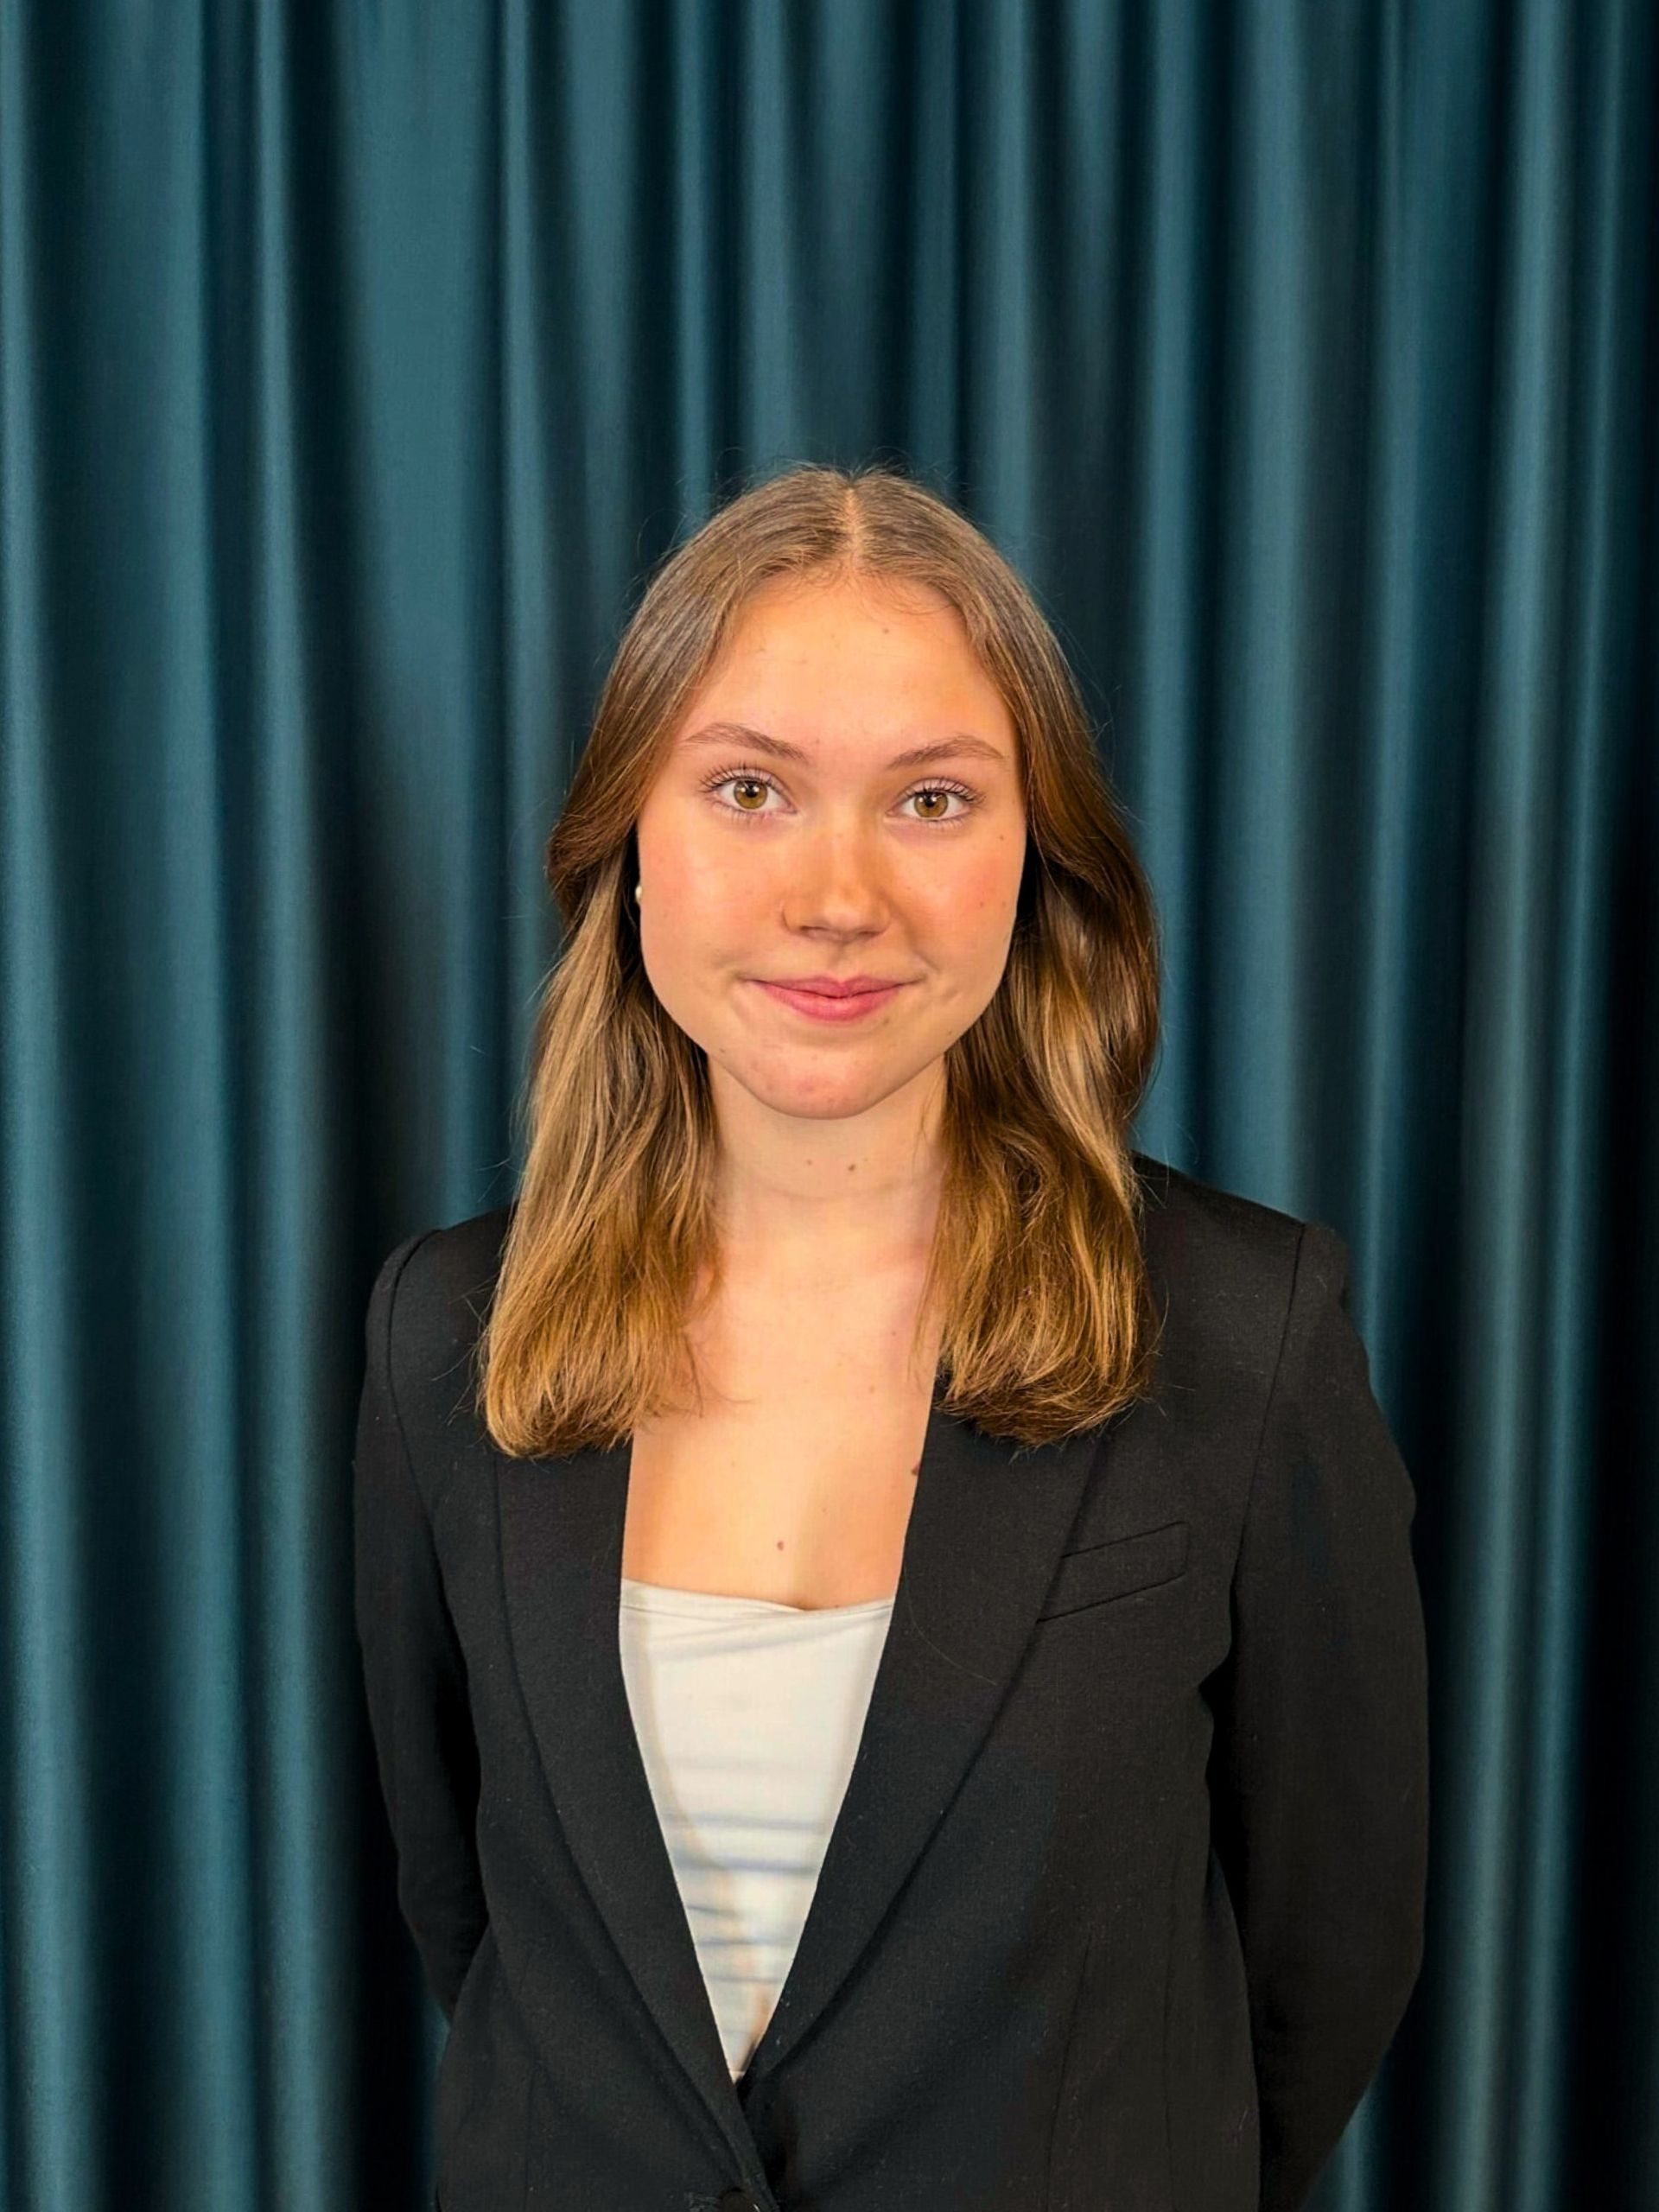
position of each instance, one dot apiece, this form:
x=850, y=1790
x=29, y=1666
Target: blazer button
x=739, y=2200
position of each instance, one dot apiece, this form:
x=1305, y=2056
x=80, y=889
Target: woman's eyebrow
x=964, y=743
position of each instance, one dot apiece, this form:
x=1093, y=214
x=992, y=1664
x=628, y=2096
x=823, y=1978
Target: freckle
x=780, y=1543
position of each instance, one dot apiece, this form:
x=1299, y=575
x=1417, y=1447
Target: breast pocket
x=1099, y=1575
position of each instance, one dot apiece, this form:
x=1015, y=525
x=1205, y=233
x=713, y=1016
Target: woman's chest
x=795, y=1480
x=800, y=1490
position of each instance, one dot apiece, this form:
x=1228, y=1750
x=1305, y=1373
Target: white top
x=748, y=1714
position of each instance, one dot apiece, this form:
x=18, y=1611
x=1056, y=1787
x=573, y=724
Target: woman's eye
x=939, y=791
x=751, y=784
x=752, y=792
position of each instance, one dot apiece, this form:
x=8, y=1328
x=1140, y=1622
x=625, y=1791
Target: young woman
x=888, y=1616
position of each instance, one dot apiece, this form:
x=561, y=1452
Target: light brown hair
x=1037, y=1263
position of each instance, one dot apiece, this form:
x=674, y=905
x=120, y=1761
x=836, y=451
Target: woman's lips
x=818, y=1008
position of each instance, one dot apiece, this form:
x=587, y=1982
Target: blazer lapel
x=986, y=1527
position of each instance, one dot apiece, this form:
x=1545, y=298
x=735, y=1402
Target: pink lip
x=818, y=1007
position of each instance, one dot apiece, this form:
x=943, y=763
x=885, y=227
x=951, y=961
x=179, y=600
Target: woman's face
x=784, y=838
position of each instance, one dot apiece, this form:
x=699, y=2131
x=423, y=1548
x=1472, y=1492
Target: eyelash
x=711, y=783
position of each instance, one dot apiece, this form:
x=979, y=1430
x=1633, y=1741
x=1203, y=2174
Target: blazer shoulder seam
x=393, y=1288
x=1298, y=1256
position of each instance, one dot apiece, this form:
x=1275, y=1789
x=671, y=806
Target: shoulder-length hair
x=1037, y=1266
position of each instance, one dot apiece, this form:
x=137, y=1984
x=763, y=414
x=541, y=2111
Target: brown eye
x=743, y=779
x=944, y=793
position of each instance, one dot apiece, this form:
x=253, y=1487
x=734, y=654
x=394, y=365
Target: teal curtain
x=355, y=365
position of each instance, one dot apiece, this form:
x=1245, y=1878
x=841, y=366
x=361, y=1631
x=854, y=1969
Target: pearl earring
x=638, y=889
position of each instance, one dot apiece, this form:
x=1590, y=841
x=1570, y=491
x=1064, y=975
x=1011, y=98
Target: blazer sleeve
x=414, y=1672
x=1320, y=1762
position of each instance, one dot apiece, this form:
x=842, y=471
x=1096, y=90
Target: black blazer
x=1125, y=1897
